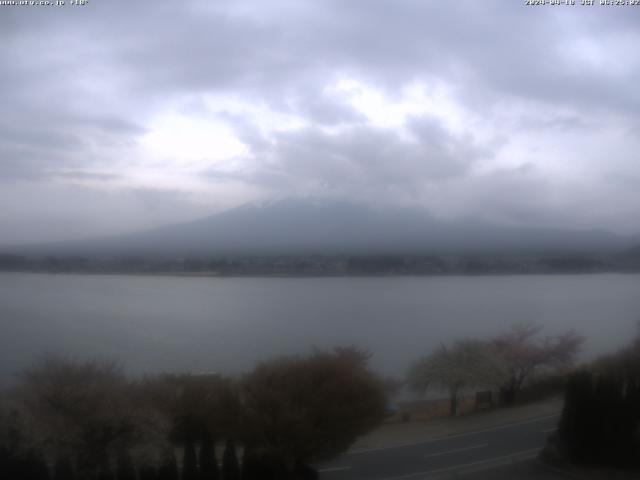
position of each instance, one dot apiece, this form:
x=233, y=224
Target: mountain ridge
x=309, y=226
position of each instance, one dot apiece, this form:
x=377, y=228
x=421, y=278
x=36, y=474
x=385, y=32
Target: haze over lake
x=228, y=324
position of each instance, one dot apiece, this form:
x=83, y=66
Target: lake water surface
x=228, y=324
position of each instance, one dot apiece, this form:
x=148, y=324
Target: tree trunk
x=453, y=402
x=509, y=390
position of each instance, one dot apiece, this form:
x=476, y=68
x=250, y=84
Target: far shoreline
x=197, y=274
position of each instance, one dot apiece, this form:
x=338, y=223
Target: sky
x=118, y=116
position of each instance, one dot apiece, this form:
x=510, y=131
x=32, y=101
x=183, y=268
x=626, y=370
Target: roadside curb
x=560, y=471
x=465, y=469
x=453, y=435
x=568, y=470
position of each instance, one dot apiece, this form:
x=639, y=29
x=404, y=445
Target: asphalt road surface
x=446, y=456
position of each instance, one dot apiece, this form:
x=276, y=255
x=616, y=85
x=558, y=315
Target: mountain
x=301, y=226
x=633, y=252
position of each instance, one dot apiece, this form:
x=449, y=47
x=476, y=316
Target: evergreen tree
x=4, y=462
x=600, y=420
x=189, y=463
x=63, y=469
x=306, y=472
x=105, y=471
x=633, y=408
x=34, y=467
x=251, y=468
x=169, y=468
x=208, y=461
x=12, y=466
x=125, y=469
x=148, y=472
x=230, y=467
x=607, y=424
x=575, y=428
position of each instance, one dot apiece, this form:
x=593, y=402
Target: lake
x=228, y=324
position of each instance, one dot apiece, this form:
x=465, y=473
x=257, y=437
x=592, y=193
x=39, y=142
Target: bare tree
x=523, y=352
x=198, y=405
x=303, y=409
x=84, y=410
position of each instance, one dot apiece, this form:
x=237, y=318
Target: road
x=445, y=456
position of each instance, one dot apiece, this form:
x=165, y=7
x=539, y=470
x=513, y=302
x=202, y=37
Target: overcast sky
x=121, y=115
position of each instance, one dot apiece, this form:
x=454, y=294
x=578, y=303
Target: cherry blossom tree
x=522, y=351
x=463, y=364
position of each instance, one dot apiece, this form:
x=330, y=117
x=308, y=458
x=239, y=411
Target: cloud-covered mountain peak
x=295, y=226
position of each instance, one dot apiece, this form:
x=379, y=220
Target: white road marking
x=500, y=427
x=400, y=445
x=333, y=469
x=523, y=453
x=455, y=435
x=463, y=449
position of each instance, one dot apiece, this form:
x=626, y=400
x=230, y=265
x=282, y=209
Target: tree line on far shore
x=466, y=264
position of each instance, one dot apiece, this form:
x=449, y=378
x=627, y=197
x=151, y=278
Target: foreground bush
x=68, y=419
x=302, y=410
x=600, y=423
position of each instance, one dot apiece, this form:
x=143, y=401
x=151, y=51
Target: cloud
x=35, y=212
x=431, y=103
x=359, y=160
